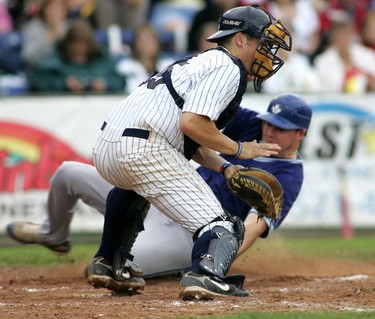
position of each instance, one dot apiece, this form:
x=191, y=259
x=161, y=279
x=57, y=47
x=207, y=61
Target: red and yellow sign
x=30, y=156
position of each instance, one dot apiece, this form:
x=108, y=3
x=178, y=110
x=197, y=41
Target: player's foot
x=202, y=287
x=29, y=233
x=100, y=275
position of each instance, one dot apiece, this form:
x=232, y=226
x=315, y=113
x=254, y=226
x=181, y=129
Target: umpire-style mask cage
x=261, y=25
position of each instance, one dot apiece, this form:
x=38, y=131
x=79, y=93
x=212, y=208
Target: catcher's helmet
x=289, y=112
x=252, y=20
x=261, y=25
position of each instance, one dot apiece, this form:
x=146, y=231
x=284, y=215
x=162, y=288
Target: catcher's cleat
x=202, y=287
x=29, y=233
x=100, y=275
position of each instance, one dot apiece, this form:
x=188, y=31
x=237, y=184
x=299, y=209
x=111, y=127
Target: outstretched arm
x=253, y=229
x=204, y=131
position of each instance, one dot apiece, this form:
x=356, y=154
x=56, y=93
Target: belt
x=134, y=132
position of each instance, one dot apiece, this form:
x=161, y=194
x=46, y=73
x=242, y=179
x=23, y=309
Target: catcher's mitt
x=259, y=189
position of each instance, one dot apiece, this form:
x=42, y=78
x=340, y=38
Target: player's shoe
x=202, y=287
x=29, y=233
x=100, y=275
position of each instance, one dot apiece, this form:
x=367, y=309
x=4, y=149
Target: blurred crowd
x=111, y=46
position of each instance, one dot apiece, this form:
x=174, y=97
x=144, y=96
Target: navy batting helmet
x=289, y=112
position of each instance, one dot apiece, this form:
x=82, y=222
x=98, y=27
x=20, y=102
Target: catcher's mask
x=289, y=112
x=261, y=25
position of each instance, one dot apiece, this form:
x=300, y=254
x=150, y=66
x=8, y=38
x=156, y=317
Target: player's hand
x=230, y=170
x=254, y=149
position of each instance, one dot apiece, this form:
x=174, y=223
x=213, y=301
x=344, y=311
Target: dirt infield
x=277, y=282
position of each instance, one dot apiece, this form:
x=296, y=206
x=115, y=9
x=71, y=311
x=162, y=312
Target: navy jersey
x=289, y=172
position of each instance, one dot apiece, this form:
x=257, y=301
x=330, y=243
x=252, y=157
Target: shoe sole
x=200, y=293
x=109, y=283
x=9, y=230
x=197, y=293
x=60, y=250
x=57, y=252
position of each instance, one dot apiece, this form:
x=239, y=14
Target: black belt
x=135, y=132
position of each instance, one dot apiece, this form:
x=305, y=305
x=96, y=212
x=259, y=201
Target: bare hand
x=254, y=149
x=231, y=170
x=74, y=84
x=99, y=85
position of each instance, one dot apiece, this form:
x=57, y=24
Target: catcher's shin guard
x=123, y=266
x=222, y=251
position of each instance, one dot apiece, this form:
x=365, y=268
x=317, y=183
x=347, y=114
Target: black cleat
x=100, y=275
x=202, y=287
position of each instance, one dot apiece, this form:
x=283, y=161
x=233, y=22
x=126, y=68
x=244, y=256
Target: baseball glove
x=258, y=189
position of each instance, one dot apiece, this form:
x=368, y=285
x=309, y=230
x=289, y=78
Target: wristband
x=224, y=167
x=239, y=150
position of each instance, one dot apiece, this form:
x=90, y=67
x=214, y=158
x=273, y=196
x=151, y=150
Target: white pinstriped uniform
x=156, y=168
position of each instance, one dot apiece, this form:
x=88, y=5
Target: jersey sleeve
x=244, y=126
x=212, y=90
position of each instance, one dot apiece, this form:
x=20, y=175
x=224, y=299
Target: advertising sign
x=38, y=133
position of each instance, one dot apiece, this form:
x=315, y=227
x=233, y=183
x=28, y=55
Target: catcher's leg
x=216, y=247
x=119, y=273
x=123, y=266
x=214, y=251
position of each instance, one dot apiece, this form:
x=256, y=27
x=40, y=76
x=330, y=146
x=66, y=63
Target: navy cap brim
x=278, y=121
x=221, y=34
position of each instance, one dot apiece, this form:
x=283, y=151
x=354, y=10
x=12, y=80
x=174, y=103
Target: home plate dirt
x=277, y=281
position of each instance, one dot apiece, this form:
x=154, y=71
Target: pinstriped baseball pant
x=158, y=172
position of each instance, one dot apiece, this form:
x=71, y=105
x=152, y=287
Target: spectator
x=304, y=19
x=368, y=30
x=6, y=23
x=78, y=65
x=355, y=9
x=10, y=59
x=128, y=14
x=145, y=58
x=41, y=33
x=262, y=3
x=328, y=9
x=204, y=32
x=346, y=65
x=173, y=18
x=83, y=9
x=7, y=63
x=210, y=12
x=23, y=10
x=298, y=75
x=13, y=80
